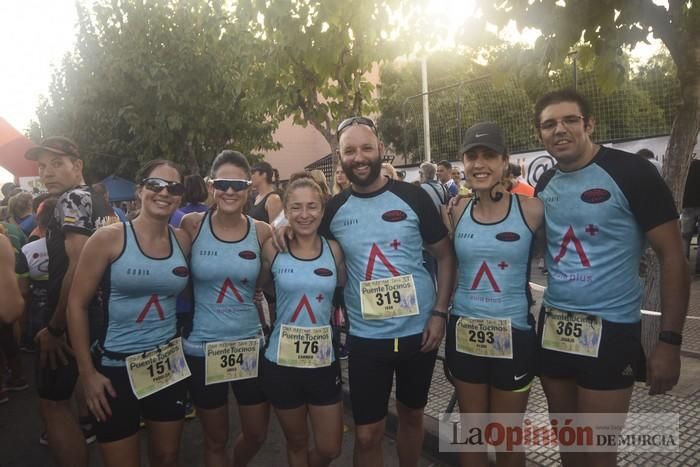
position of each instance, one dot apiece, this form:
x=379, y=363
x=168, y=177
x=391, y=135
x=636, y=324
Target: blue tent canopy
x=119, y=189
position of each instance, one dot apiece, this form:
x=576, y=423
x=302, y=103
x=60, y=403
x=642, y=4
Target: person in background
x=101, y=189
x=195, y=198
x=340, y=181
x=20, y=206
x=437, y=191
x=388, y=170
x=649, y=155
x=691, y=210
x=320, y=178
x=456, y=176
x=444, y=175
x=13, y=303
x=7, y=190
x=518, y=184
x=268, y=204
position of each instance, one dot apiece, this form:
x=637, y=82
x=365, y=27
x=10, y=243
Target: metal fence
x=638, y=108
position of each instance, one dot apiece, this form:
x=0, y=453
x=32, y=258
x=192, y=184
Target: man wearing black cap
x=78, y=214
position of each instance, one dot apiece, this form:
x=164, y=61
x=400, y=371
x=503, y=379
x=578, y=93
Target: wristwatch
x=670, y=337
x=439, y=314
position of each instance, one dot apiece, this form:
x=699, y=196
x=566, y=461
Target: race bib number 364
x=484, y=337
x=231, y=361
x=393, y=297
x=305, y=347
x=575, y=333
x=151, y=371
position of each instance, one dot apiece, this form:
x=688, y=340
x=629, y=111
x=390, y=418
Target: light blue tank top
x=304, y=290
x=224, y=275
x=493, y=269
x=140, y=297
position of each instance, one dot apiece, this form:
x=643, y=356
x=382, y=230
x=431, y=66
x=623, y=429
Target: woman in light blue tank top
x=224, y=346
x=301, y=375
x=490, y=337
x=137, y=368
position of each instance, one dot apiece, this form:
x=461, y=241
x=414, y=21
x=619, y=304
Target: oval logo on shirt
x=507, y=237
x=595, y=196
x=323, y=272
x=247, y=254
x=394, y=216
x=181, y=271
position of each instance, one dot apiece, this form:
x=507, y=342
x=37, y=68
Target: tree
x=172, y=79
x=320, y=53
x=601, y=30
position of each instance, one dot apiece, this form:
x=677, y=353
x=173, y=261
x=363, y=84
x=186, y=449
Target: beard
x=375, y=169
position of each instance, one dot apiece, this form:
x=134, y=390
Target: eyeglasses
x=223, y=184
x=351, y=121
x=568, y=121
x=156, y=185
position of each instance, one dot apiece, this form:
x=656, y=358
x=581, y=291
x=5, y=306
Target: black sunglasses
x=223, y=184
x=352, y=120
x=156, y=185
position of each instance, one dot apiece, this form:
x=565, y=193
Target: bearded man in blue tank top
x=224, y=346
x=397, y=320
x=137, y=368
x=602, y=206
x=491, y=336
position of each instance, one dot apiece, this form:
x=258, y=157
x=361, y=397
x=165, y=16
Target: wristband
x=439, y=314
x=55, y=332
x=670, y=337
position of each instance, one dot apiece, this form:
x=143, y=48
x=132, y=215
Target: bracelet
x=439, y=314
x=55, y=332
x=670, y=337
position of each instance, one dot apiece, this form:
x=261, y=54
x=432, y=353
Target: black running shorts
x=372, y=365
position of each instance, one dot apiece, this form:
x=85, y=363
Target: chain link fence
x=642, y=107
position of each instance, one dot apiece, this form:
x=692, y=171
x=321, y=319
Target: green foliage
x=320, y=53
x=171, y=79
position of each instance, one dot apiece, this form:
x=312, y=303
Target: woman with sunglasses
x=137, y=368
x=301, y=375
x=224, y=345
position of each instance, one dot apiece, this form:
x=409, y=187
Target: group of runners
x=113, y=292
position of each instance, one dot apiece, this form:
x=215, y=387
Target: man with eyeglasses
x=602, y=206
x=78, y=214
x=397, y=320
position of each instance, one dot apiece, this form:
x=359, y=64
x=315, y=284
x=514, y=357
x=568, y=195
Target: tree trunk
x=679, y=153
x=191, y=158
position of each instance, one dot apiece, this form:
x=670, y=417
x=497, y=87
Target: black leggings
x=8, y=344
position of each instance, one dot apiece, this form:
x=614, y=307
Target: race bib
x=151, y=371
x=302, y=347
x=231, y=361
x=393, y=297
x=575, y=333
x=484, y=337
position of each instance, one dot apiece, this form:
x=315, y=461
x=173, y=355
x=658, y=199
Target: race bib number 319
x=575, y=333
x=151, y=371
x=393, y=297
x=231, y=361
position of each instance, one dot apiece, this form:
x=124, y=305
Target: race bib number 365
x=151, y=371
x=575, y=333
x=231, y=361
x=484, y=337
x=393, y=297
x=304, y=347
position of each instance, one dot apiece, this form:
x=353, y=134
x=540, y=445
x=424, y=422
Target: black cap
x=56, y=144
x=487, y=134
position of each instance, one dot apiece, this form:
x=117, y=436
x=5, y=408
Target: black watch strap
x=671, y=337
x=440, y=314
